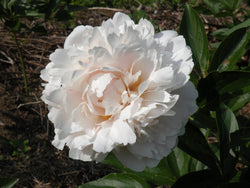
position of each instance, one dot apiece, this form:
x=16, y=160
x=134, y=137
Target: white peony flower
x=122, y=88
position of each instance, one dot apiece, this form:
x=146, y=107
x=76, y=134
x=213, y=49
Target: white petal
x=164, y=37
x=103, y=142
x=78, y=37
x=122, y=133
x=129, y=160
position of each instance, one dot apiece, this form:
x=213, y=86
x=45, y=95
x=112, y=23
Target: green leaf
x=240, y=137
x=204, y=178
x=170, y=168
x=192, y=28
x=230, y=51
x=239, y=101
x=224, y=87
x=227, y=124
x=213, y=5
x=8, y=182
x=224, y=32
x=159, y=175
x=194, y=143
x=203, y=119
x=115, y=180
x=237, y=184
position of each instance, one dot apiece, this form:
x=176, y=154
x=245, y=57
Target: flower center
x=107, y=94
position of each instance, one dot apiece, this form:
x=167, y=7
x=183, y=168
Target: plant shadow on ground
x=36, y=162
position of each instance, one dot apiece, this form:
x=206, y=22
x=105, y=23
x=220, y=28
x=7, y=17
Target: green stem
x=22, y=64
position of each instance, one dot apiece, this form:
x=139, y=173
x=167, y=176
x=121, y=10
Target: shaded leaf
x=170, y=168
x=194, y=143
x=213, y=5
x=204, y=179
x=203, y=119
x=159, y=175
x=115, y=180
x=224, y=86
x=227, y=124
x=192, y=28
x=240, y=137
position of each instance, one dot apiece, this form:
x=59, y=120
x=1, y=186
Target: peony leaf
x=230, y=51
x=203, y=119
x=240, y=137
x=8, y=182
x=224, y=87
x=170, y=168
x=194, y=143
x=227, y=124
x=239, y=101
x=159, y=175
x=203, y=178
x=192, y=28
x=224, y=32
x=124, y=180
x=213, y=5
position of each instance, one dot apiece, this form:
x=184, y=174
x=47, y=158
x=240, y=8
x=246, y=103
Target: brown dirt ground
x=25, y=117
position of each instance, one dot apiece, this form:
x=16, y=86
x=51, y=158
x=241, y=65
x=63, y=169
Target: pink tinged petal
x=131, y=109
x=156, y=96
x=144, y=66
x=99, y=83
x=164, y=37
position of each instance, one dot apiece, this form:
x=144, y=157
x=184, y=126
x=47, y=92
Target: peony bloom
x=120, y=87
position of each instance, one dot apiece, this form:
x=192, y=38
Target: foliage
x=19, y=148
x=8, y=182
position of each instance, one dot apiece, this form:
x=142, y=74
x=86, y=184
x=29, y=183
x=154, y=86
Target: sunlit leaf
x=8, y=182
x=192, y=28
x=230, y=51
